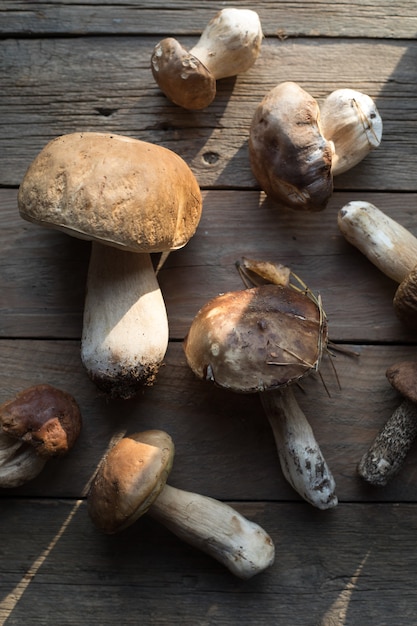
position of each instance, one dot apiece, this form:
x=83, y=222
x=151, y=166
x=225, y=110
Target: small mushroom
x=388, y=451
x=351, y=121
x=297, y=147
x=390, y=247
x=229, y=45
x=36, y=424
x=130, y=198
x=132, y=481
x=265, y=339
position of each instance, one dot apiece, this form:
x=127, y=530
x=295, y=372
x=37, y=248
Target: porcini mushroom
x=387, y=453
x=38, y=423
x=297, y=147
x=264, y=339
x=229, y=45
x=130, y=198
x=351, y=122
x=389, y=246
x=132, y=481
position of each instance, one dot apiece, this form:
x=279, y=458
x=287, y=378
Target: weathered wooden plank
x=299, y=17
x=224, y=444
x=330, y=569
x=54, y=86
x=43, y=272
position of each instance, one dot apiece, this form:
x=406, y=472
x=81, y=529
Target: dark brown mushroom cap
x=130, y=478
x=182, y=77
x=44, y=417
x=289, y=156
x=405, y=300
x=403, y=377
x=256, y=339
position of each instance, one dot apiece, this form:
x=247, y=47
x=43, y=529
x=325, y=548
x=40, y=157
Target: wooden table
x=67, y=66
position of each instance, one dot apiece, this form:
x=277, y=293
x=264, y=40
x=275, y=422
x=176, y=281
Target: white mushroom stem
x=215, y=528
x=125, y=326
x=230, y=43
x=350, y=120
x=387, y=244
x=302, y=461
x=19, y=462
x=388, y=451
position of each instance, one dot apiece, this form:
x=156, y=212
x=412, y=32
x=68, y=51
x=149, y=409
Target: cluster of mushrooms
x=131, y=198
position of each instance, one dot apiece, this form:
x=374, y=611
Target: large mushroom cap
x=256, y=339
x=289, y=156
x=114, y=189
x=130, y=478
x=44, y=417
x=403, y=377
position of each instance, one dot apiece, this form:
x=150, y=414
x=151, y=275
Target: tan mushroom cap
x=44, y=417
x=403, y=377
x=130, y=478
x=405, y=300
x=256, y=339
x=113, y=189
x=289, y=156
x=182, y=77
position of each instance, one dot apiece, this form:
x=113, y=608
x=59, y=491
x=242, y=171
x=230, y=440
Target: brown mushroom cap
x=182, y=77
x=403, y=377
x=113, y=189
x=130, y=478
x=405, y=300
x=44, y=417
x=256, y=339
x=289, y=156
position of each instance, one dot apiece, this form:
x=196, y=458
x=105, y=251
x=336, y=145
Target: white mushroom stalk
x=229, y=45
x=351, y=122
x=131, y=481
x=19, y=463
x=389, y=246
x=125, y=326
x=216, y=529
x=302, y=461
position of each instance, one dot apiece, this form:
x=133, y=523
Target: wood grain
x=105, y=84
x=326, y=572
x=68, y=66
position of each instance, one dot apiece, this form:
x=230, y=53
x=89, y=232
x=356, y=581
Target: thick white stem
x=230, y=43
x=301, y=459
x=350, y=120
x=215, y=528
x=387, y=244
x=19, y=462
x=125, y=326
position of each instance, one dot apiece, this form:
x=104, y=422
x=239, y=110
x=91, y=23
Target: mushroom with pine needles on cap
x=229, y=45
x=131, y=481
x=265, y=339
x=130, y=198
